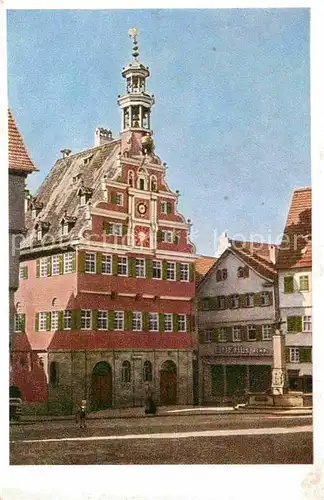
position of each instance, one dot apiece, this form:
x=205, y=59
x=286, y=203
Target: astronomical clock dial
x=142, y=236
x=141, y=209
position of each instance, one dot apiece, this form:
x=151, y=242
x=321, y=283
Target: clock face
x=141, y=209
x=142, y=236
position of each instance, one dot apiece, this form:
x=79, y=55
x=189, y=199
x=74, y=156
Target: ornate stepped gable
x=295, y=250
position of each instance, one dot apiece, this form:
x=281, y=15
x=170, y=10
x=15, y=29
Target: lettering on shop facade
x=241, y=351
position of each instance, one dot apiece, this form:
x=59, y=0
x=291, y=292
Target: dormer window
x=87, y=160
x=39, y=234
x=36, y=208
x=83, y=199
x=84, y=193
x=67, y=223
x=41, y=229
x=142, y=180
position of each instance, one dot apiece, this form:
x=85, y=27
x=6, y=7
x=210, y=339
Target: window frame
x=236, y=334
x=208, y=335
x=140, y=267
x=250, y=302
x=137, y=321
x=102, y=315
x=18, y=322
x=249, y=329
x=147, y=371
x=294, y=355
x=119, y=199
x=235, y=299
x=268, y=327
x=67, y=263
x=157, y=268
x=305, y=277
x=126, y=372
x=174, y=270
x=168, y=320
x=119, y=319
x=184, y=271
x=155, y=321
x=163, y=207
x=264, y=299
x=167, y=236
x=55, y=264
x=54, y=324
x=67, y=316
x=42, y=321
x=183, y=322
x=109, y=262
x=292, y=280
x=43, y=267
x=222, y=334
x=90, y=263
x=120, y=257
x=87, y=319
x=309, y=322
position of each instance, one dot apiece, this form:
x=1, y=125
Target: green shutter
x=287, y=355
x=115, y=265
x=98, y=262
x=25, y=271
x=178, y=271
x=191, y=272
x=23, y=322
x=175, y=321
x=258, y=332
x=176, y=238
x=215, y=335
x=227, y=302
x=113, y=197
x=61, y=265
x=190, y=321
x=149, y=268
x=49, y=266
x=111, y=320
x=213, y=301
x=81, y=261
x=76, y=319
x=60, y=320
x=107, y=227
x=73, y=262
x=161, y=322
x=291, y=323
x=132, y=267
x=305, y=355
x=48, y=321
x=94, y=319
x=257, y=300
x=164, y=270
x=128, y=321
x=145, y=319
x=244, y=333
x=159, y=236
x=270, y=295
x=298, y=324
x=288, y=284
x=36, y=322
x=37, y=268
x=169, y=207
x=125, y=229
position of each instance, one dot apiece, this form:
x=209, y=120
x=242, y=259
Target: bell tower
x=135, y=103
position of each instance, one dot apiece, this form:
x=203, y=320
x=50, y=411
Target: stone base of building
x=118, y=379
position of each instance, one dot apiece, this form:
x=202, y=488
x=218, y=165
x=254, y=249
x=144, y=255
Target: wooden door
x=168, y=384
x=101, y=387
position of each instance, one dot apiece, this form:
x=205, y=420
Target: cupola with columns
x=136, y=104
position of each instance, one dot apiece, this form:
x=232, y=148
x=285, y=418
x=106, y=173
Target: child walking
x=81, y=414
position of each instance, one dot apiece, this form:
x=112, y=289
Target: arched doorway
x=101, y=386
x=168, y=383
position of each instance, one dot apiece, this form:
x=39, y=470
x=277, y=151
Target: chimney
x=223, y=244
x=273, y=253
x=66, y=152
x=102, y=136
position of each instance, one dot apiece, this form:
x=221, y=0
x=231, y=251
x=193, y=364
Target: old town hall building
x=107, y=269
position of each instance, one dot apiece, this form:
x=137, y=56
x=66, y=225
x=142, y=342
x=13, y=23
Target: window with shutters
x=266, y=332
x=68, y=263
x=42, y=321
x=221, y=302
x=236, y=332
x=250, y=300
x=140, y=268
x=55, y=265
x=304, y=283
x=288, y=284
x=171, y=271
x=307, y=323
x=122, y=266
x=137, y=322
x=102, y=320
x=182, y=323
x=157, y=269
x=114, y=229
x=251, y=330
x=294, y=355
x=18, y=322
x=235, y=301
x=67, y=319
x=54, y=320
x=147, y=371
x=264, y=299
x=208, y=334
x=205, y=304
x=90, y=263
x=119, y=320
x=126, y=372
x=184, y=272
x=240, y=272
x=85, y=319
x=43, y=267
x=106, y=264
x=153, y=322
x=168, y=323
x=167, y=236
x=222, y=334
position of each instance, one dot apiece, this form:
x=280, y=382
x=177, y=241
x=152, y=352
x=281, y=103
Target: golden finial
x=132, y=33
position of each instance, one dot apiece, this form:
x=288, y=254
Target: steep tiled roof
x=19, y=159
x=202, y=266
x=295, y=250
x=20, y=342
x=58, y=194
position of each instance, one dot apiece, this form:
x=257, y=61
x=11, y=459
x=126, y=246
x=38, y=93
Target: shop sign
x=228, y=350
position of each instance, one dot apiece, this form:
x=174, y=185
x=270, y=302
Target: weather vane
x=132, y=33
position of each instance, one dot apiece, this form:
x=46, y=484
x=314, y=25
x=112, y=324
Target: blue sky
x=232, y=112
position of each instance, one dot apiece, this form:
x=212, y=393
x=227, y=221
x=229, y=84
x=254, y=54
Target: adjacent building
x=295, y=290
x=237, y=307
x=107, y=269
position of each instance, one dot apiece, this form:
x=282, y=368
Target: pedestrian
x=81, y=414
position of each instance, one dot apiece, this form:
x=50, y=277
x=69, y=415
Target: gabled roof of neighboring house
x=202, y=266
x=295, y=250
x=256, y=255
x=58, y=193
x=19, y=159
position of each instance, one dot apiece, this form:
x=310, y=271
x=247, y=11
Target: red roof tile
x=19, y=159
x=295, y=250
x=203, y=264
x=20, y=342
